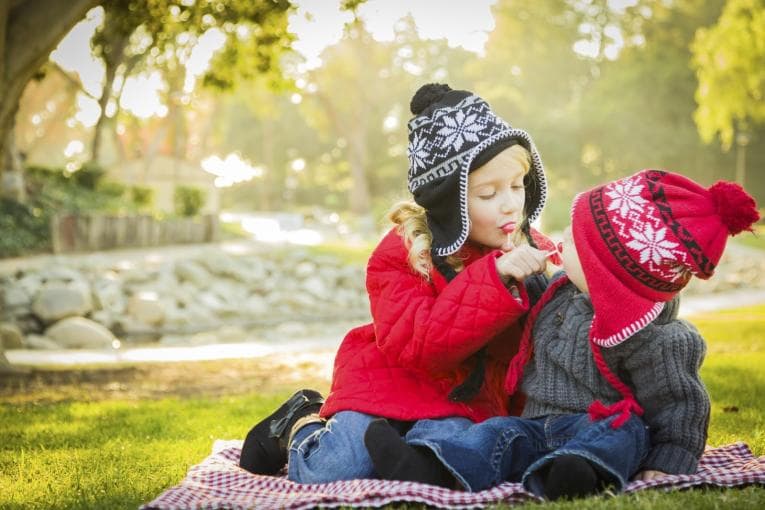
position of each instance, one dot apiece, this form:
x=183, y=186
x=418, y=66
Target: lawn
x=116, y=438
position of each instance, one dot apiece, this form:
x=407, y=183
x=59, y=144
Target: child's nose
x=510, y=203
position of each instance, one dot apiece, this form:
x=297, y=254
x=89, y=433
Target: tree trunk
x=269, y=162
x=29, y=31
x=12, y=184
x=177, y=118
x=357, y=157
x=112, y=63
x=742, y=140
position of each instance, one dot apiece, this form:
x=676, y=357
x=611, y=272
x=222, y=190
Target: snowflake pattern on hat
x=642, y=230
x=459, y=129
x=626, y=197
x=418, y=151
x=440, y=143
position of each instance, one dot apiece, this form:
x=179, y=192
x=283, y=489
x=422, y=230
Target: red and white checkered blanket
x=219, y=483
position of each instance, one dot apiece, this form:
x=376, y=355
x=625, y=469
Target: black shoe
x=264, y=451
x=571, y=476
x=393, y=459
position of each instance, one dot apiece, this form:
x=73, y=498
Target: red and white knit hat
x=641, y=238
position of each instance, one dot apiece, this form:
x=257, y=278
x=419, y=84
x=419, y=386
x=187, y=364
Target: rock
x=204, y=338
x=105, y=318
x=80, y=333
x=254, y=306
x=61, y=275
x=56, y=302
x=11, y=336
x=146, y=308
x=237, y=269
x=30, y=283
x=15, y=297
x=231, y=335
x=316, y=286
x=305, y=269
x=190, y=271
x=287, y=331
x=134, y=331
x=190, y=317
x=108, y=294
x=29, y=323
x=40, y=342
x=133, y=275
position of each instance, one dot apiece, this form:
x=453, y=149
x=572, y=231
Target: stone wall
x=207, y=297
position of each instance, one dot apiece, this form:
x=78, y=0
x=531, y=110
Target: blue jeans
x=515, y=449
x=335, y=450
x=322, y=453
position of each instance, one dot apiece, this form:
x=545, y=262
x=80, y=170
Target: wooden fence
x=72, y=233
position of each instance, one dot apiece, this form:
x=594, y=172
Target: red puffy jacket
x=419, y=346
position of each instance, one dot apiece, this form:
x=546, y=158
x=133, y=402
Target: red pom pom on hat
x=736, y=207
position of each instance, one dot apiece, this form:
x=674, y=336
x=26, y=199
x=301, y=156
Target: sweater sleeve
x=420, y=326
x=664, y=369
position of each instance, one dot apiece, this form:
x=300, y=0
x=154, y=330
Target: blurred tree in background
x=604, y=88
x=729, y=59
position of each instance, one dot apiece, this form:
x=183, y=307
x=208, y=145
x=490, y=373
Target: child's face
x=495, y=199
x=571, y=263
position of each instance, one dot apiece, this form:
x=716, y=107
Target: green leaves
x=729, y=60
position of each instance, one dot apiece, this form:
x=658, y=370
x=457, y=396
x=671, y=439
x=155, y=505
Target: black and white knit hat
x=454, y=132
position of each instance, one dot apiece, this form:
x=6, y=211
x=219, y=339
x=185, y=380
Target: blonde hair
x=412, y=225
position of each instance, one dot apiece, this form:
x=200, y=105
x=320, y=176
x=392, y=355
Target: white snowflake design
x=417, y=152
x=652, y=245
x=459, y=129
x=679, y=271
x=625, y=196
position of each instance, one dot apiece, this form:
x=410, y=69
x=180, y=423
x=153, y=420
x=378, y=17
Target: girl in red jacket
x=447, y=288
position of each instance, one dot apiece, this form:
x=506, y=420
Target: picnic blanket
x=218, y=482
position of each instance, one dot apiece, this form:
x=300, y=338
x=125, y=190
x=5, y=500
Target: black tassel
x=472, y=384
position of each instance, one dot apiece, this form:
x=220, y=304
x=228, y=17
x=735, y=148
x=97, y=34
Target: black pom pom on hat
x=427, y=95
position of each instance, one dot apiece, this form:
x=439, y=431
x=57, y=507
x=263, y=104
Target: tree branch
x=34, y=29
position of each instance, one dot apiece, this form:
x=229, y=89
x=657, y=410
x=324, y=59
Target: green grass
x=122, y=453
x=112, y=454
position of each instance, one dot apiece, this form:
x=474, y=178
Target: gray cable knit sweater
x=660, y=363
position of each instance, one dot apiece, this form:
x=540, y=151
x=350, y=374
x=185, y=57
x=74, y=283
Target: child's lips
x=508, y=228
x=560, y=247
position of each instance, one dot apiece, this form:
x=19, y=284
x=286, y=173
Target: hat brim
x=444, y=247
x=619, y=312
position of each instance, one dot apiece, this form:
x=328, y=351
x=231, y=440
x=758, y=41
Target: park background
x=197, y=179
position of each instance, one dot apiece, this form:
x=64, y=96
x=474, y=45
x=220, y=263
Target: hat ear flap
x=531, y=191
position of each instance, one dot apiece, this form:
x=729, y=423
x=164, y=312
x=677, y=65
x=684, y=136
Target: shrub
x=24, y=228
x=89, y=176
x=188, y=200
x=142, y=197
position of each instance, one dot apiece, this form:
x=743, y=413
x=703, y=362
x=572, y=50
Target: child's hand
x=521, y=262
x=649, y=474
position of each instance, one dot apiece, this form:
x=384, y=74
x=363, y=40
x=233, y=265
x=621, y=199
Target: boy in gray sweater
x=605, y=331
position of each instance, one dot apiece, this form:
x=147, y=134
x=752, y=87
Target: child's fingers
x=508, y=245
x=523, y=262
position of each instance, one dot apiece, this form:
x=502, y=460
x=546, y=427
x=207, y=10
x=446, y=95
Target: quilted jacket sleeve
x=418, y=326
